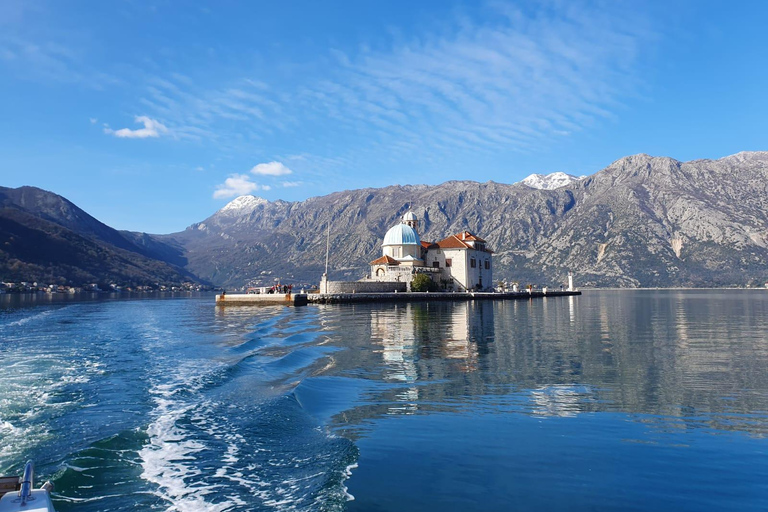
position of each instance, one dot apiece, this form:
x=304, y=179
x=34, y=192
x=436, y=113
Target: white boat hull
x=39, y=501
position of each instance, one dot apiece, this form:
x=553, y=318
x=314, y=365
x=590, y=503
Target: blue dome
x=402, y=234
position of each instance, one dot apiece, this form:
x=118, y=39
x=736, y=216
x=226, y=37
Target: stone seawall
x=347, y=298
x=342, y=287
x=301, y=299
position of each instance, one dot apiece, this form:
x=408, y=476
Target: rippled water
x=614, y=400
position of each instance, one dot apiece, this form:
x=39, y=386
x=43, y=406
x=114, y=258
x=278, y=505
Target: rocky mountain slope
x=46, y=238
x=642, y=221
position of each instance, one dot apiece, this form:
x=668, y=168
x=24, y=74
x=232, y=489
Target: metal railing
x=25, y=492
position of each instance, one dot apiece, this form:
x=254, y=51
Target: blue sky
x=152, y=115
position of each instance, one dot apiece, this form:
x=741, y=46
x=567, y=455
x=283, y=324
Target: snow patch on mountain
x=550, y=181
x=243, y=205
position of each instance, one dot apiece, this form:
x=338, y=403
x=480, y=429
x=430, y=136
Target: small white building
x=460, y=262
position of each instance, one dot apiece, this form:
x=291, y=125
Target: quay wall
x=349, y=298
x=351, y=287
x=301, y=299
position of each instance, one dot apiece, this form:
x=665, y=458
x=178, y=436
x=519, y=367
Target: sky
x=152, y=115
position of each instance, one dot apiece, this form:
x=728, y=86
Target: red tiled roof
x=385, y=260
x=466, y=235
x=427, y=245
x=452, y=242
x=459, y=241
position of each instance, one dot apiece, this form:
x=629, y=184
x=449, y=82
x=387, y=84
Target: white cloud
x=94, y=120
x=199, y=168
x=152, y=128
x=271, y=169
x=509, y=82
x=236, y=185
x=291, y=183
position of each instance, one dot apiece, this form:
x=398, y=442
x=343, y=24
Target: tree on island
x=421, y=283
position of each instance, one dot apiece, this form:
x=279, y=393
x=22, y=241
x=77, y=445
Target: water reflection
x=686, y=359
x=560, y=400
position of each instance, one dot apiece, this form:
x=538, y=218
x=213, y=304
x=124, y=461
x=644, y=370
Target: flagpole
x=327, y=248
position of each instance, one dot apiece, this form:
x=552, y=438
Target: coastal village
x=35, y=287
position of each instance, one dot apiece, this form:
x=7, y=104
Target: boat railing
x=26, y=482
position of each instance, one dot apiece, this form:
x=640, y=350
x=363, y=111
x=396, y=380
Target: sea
x=631, y=400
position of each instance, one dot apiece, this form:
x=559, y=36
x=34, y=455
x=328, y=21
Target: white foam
x=31, y=387
x=187, y=428
x=167, y=459
x=347, y=475
x=27, y=319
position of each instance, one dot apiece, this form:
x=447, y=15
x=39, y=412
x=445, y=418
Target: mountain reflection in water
x=614, y=400
x=685, y=359
x=647, y=376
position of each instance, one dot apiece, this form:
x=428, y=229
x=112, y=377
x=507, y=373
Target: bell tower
x=410, y=219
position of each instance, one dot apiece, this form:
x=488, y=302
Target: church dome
x=409, y=216
x=402, y=234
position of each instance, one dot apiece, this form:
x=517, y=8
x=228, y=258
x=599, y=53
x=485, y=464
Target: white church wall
x=478, y=276
x=459, y=265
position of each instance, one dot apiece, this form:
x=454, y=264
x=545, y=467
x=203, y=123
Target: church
x=461, y=262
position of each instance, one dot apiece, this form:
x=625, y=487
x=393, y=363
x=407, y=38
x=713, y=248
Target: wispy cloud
x=152, y=128
x=199, y=113
x=271, y=169
x=505, y=84
x=289, y=184
x=44, y=60
x=501, y=78
x=45, y=56
x=508, y=79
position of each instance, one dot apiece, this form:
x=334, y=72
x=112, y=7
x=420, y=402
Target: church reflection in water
x=425, y=345
x=666, y=355
x=443, y=355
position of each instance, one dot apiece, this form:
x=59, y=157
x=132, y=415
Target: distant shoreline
x=678, y=288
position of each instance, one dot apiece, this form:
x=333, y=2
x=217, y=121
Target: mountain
x=642, y=221
x=46, y=238
x=549, y=181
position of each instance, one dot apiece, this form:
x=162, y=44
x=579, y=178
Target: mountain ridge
x=640, y=221
x=45, y=237
x=539, y=235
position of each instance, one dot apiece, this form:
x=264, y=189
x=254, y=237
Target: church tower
x=410, y=219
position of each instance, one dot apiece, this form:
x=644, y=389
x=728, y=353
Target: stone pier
x=351, y=298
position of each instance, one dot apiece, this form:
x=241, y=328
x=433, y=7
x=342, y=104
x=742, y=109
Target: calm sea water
x=615, y=400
